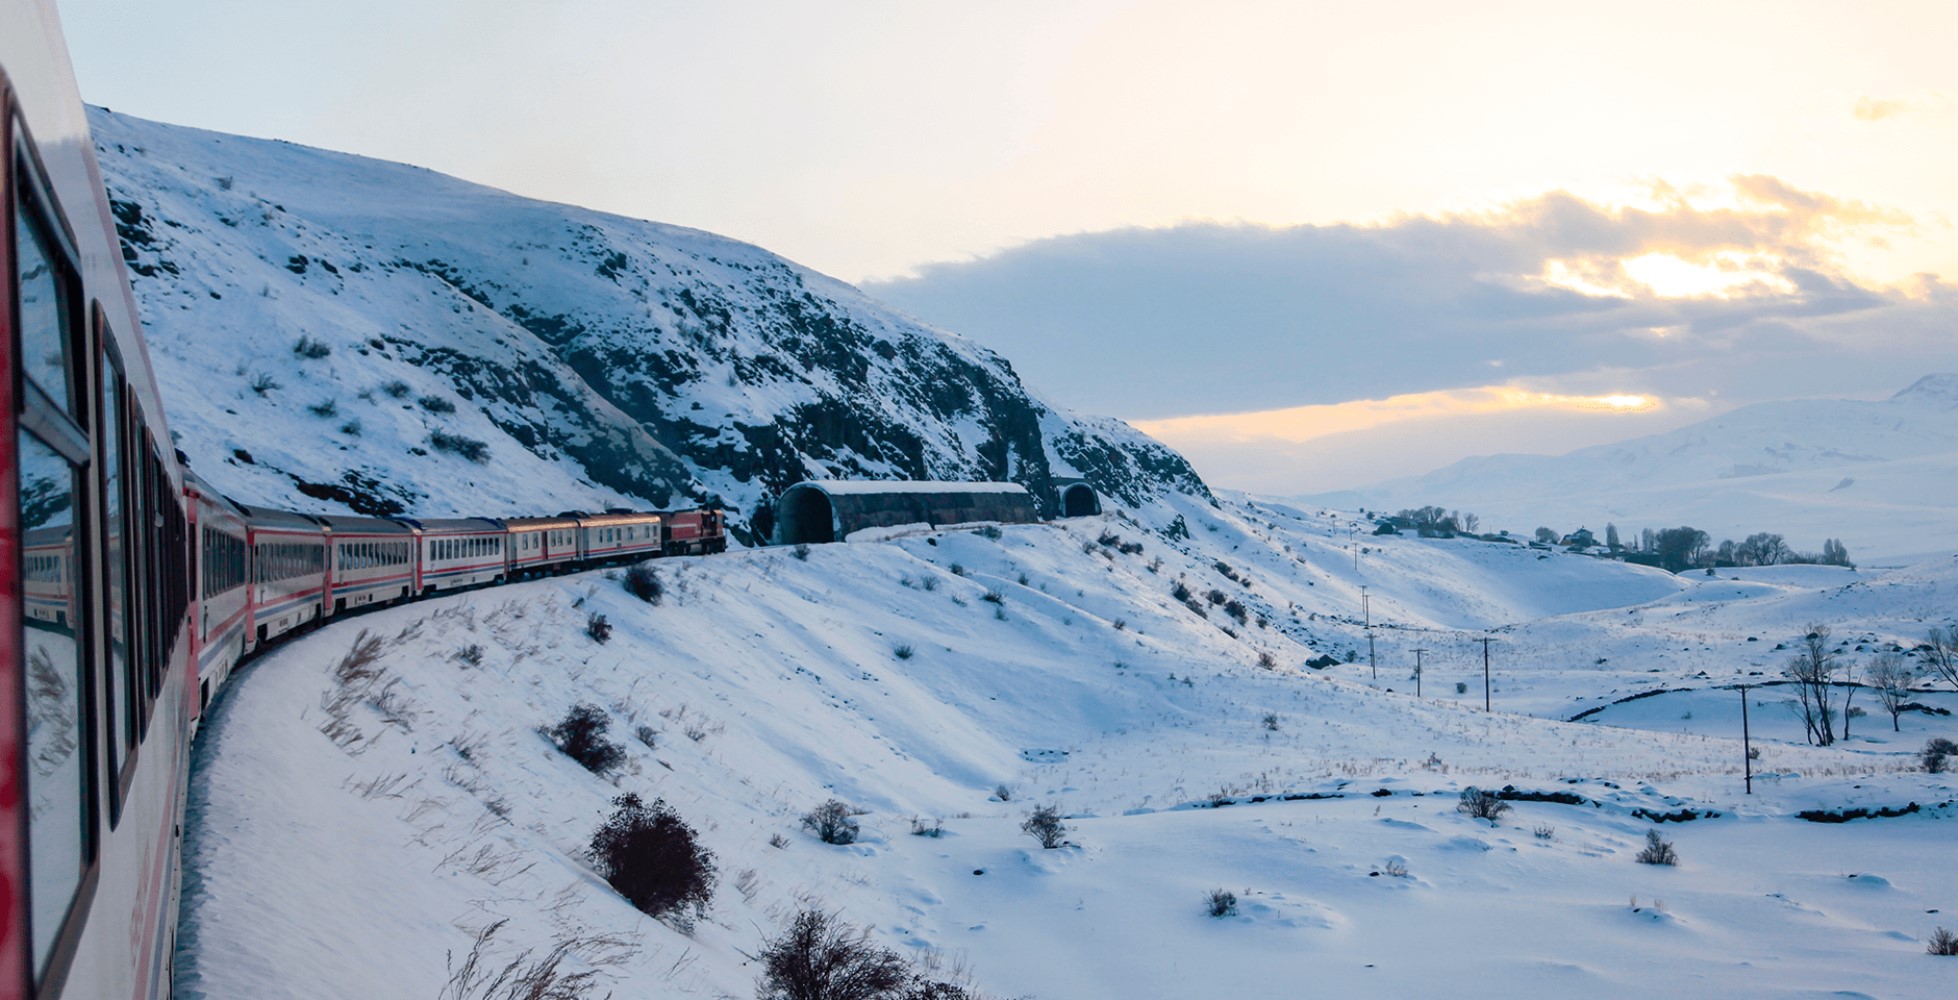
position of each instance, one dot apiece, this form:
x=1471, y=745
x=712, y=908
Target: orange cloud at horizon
x=1305, y=423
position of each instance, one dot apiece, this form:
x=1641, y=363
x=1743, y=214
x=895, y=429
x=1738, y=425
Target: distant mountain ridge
x=1882, y=473
x=336, y=331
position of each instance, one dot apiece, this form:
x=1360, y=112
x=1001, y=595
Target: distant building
x=1580, y=539
x=829, y=510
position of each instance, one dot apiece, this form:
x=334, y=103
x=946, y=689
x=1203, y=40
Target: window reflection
x=56, y=734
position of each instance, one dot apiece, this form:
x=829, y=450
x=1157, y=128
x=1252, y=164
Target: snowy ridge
x=1880, y=475
x=334, y=332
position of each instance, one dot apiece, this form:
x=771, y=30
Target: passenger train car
x=130, y=589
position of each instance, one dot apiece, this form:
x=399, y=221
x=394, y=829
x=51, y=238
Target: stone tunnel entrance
x=806, y=517
x=1079, y=500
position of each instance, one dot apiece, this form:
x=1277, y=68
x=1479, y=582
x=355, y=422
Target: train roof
x=364, y=525
x=268, y=517
x=628, y=518
x=539, y=523
x=448, y=525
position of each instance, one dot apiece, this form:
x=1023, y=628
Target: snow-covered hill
x=1189, y=749
x=1882, y=476
x=331, y=330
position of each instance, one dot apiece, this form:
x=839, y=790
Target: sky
x=1309, y=245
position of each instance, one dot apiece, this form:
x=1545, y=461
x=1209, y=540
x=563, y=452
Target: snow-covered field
x=1877, y=474
x=882, y=673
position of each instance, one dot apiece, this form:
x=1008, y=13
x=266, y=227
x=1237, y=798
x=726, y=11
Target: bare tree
x=1813, y=670
x=1891, y=676
x=1941, y=658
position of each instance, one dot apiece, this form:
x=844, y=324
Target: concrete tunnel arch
x=805, y=516
x=1080, y=500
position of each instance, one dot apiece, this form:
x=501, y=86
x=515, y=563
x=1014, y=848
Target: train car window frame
x=58, y=424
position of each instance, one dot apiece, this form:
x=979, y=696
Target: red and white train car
x=618, y=536
x=457, y=552
x=693, y=532
x=220, y=609
x=288, y=572
x=370, y=560
x=94, y=732
x=541, y=545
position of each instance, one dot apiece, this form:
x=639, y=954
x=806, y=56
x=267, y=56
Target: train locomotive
x=130, y=589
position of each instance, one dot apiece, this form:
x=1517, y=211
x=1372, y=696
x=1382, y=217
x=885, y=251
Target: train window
x=46, y=306
x=59, y=794
x=115, y=566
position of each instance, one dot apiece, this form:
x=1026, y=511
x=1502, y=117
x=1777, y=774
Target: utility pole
x=1353, y=543
x=1366, y=612
x=1417, y=672
x=1746, y=743
x=1485, y=673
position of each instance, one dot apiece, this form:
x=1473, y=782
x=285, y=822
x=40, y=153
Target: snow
x=774, y=683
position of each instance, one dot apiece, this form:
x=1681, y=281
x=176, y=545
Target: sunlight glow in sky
x=1788, y=162
x=1306, y=423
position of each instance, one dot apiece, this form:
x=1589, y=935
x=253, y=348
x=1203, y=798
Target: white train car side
x=370, y=560
x=458, y=552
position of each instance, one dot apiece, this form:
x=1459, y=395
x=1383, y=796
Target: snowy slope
x=773, y=682
x=1882, y=476
x=480, y=353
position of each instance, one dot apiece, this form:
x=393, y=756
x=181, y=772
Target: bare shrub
x=832, y=822
x=653, y=858
x=647, y=735
x=1271, y=721
x=1394, y=867
x=1481, y=804
x=929, y=583
x=1044, y=825
x=310, y=349
x=1942, y=942
x=801, y=553
x=642, y=581
x=1545, y=832
x=957, y=569
x=521, y=978
x=1937, y=753
x=460, y=445
x=325, y=408
x=263, y=383
x=778, y=841
x=581, y=735
x=922, y=827
x=395, y=388
x=1220, y=903
x=993, y=597
x=1266, y=660
x=436, y=404
x=821, y=958
x=1002, y=793
x=990, y=532
x=599, y=628
x=903, y=651
x=471, y=654
x=1657, y=851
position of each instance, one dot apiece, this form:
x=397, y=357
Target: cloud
x=1687, y=293
x=1870, y=109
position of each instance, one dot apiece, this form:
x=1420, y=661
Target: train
x=130, y=590
x=263, y=572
